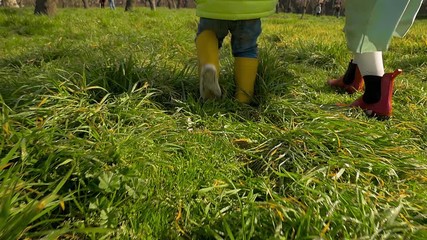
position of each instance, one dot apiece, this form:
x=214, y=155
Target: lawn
x=104, y=135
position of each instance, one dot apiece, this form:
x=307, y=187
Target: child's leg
x=208, y=42
x=245, y=50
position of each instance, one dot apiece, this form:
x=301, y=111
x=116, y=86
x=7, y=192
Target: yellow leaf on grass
x=62, y=204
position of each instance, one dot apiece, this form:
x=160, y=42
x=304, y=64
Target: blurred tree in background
x=129, y=5
x=47, y=7
x=287, y=6
x=10, y=3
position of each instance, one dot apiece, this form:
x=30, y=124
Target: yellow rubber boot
x=208, y=56
x=245, y=70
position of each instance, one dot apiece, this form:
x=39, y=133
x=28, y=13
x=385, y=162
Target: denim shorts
x=244, y=34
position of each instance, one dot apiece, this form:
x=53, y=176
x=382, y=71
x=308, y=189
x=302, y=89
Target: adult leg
x=370, y=25
x=372, y=69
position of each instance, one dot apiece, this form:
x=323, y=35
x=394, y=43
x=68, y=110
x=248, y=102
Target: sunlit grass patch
x=104, y=135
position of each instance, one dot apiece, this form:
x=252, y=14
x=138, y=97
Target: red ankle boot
x=383, y=108
x=353, y=75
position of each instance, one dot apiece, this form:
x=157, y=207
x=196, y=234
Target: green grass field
x=104, y=136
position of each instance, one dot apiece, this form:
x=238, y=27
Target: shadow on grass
x=172, y=84
x=177, y=85
x=10, y=11
x=27, y=69
x=15, y=24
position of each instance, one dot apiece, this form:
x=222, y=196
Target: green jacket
x=235, y=9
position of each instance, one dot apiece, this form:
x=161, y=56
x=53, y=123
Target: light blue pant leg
x=370, y=24
x=408, y=18
x=112, y=4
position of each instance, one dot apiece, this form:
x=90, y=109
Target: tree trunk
x=10, y=3
x=46, y=7
x=171, y=4
x=85, y=5
x=129, y=5
x=152, y=4
x=304, y=8
x=324, y=8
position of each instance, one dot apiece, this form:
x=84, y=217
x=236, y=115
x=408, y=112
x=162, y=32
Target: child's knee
x=251, y=52
x=245, y=47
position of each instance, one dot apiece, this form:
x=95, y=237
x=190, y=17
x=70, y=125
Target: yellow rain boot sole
x=209, y=86
x=208, y=56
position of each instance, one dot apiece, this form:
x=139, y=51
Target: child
x=242, y=20
x=369, y=27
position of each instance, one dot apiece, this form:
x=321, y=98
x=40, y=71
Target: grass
x=104, y=136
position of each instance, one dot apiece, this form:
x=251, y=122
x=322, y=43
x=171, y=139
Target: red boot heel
x=382, y=109
x=352, y=75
